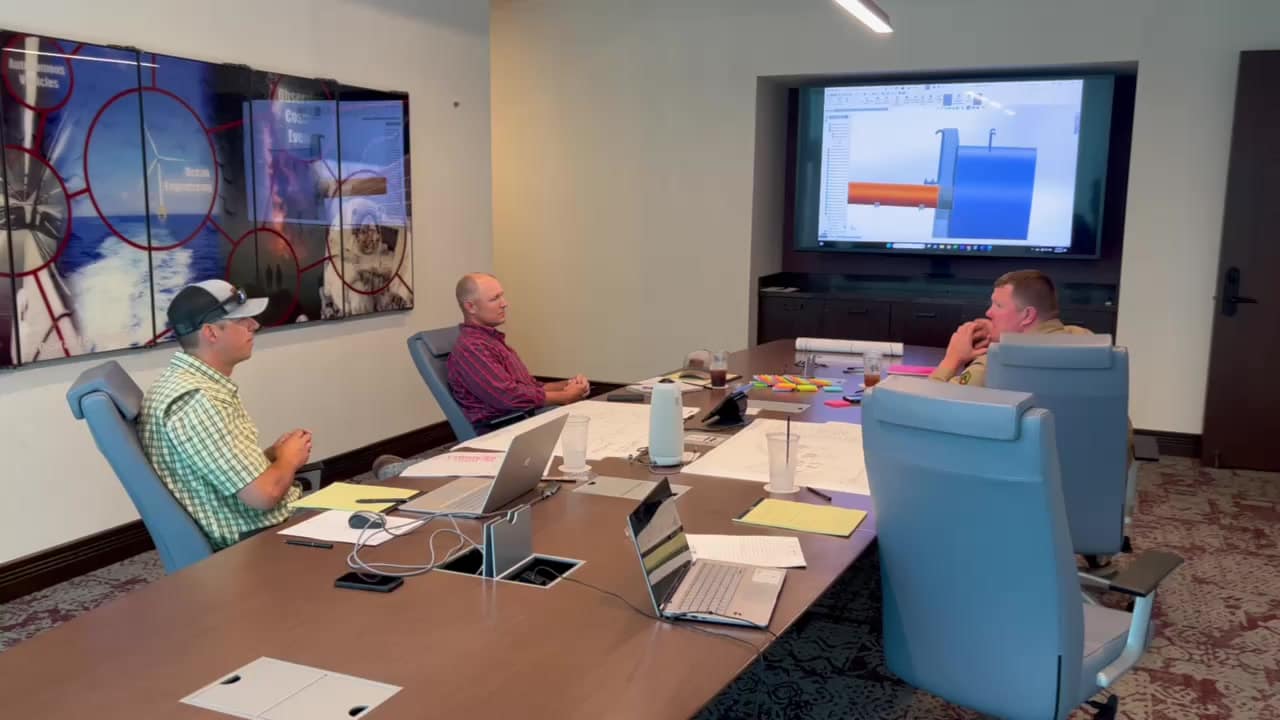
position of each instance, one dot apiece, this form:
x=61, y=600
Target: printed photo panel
x=374, y=271
x=76, y=240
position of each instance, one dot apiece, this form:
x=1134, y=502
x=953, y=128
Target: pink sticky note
x=838, y=403
x=910, y=369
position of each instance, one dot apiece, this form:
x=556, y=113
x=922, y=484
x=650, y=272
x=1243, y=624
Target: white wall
x=624, y=138
x=352, y=382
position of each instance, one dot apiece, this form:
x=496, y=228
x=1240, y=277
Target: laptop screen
x=659, y=536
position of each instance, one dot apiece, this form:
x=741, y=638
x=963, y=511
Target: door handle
x=1231, y=293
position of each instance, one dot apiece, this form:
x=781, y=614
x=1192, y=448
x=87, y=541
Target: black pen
x=378, y=501
x=310, y=544
x=819, y=493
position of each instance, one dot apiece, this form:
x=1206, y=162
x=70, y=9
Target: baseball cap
x=210, y=301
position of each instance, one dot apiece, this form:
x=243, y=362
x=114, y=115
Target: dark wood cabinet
x=925, y=323
x=860, y=319
x=910, y=310
x=1099, y=321
x=782, y=316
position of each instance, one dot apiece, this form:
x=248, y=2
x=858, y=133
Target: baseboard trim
x=44, y=569
x=1174, y=444
x=72, y=559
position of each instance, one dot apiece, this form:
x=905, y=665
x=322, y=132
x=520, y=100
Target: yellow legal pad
x=789, y=515
x=343, y=496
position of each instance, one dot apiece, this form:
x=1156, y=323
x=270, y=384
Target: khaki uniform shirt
x=976, y=372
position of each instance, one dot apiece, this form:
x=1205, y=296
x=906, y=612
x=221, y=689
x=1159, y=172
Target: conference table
x=457, y=645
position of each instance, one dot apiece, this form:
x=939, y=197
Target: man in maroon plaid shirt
x=486, y=376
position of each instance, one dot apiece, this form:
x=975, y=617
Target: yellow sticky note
x=343, y=496
x=803, y=517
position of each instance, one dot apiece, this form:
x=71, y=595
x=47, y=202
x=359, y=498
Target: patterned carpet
x=1216, y=653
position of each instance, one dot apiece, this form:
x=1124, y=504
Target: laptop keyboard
x=465, y=495
x=472, y=502
x=709, y=588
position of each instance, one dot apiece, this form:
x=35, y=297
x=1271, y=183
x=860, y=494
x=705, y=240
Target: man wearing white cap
x=197, y=434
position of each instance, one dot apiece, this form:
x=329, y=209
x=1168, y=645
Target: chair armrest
x=505, y=420
x=309, y=476
x=1140, y=577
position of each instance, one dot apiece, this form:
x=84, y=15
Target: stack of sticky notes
x=921, y=370
x=794, y=383
x=790, y=515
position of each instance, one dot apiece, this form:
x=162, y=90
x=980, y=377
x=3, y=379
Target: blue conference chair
x=430, y=352
x=1084, y=381
x=109, y=401
x=959, y=475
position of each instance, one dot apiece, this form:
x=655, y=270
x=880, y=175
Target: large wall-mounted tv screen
x=972, y=166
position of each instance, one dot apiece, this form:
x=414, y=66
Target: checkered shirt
x=205, y=448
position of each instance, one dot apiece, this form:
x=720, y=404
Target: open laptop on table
x=521, y=471
x=705, y=590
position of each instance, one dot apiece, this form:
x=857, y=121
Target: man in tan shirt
x=1024, y=301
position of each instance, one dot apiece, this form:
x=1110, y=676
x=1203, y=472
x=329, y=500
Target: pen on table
x=819, y=493
x=562, y=479
x=310, y=543
x=377, y=501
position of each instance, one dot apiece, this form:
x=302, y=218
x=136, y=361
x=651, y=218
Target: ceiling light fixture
x=869, y=13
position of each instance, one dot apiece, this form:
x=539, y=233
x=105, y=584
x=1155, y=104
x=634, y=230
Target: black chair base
x=1106, y=710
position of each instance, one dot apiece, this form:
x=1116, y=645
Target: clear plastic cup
x=573, y=444
x=783, y=451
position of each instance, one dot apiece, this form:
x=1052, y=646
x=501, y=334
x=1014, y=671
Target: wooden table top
x=459, y=646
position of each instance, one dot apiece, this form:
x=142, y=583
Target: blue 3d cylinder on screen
x=992, y=193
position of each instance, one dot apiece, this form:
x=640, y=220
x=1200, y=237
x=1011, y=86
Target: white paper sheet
x=830, y=455
x=459, y=464
x=615, y=430
x=332, y=526
x=647, y=385
x=760, y=550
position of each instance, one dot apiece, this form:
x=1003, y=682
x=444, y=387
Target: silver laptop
x=705, y=590
x=521, y=472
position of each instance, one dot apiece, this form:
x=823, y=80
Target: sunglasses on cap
x=237, y=298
